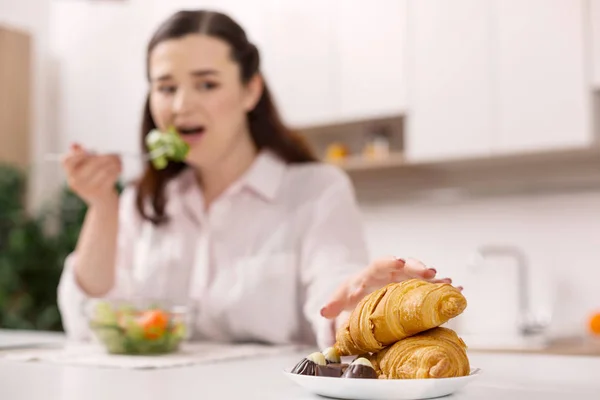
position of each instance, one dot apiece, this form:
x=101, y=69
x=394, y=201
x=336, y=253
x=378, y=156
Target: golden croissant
x=436, y=353
x=397, y=311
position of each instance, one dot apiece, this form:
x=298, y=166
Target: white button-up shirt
x=258, y=266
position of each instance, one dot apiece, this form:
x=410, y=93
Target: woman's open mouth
x=191, y=134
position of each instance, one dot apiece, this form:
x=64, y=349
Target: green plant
x=31, y=258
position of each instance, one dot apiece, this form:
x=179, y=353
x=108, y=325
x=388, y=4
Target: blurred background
x=469, y=128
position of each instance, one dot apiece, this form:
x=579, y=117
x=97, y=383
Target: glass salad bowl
x=138, y=328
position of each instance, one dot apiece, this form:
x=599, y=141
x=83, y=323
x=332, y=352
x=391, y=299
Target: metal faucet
x=528, y=323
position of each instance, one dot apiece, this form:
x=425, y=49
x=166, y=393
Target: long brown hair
x=265, y=125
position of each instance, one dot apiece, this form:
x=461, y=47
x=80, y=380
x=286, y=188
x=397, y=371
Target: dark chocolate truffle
x=308, y=365
x=361, y=368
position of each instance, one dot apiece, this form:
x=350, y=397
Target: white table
x=12, y=338
x=531, y=377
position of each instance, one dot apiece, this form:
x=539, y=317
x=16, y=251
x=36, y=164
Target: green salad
x=127, y=330
x=172, y=146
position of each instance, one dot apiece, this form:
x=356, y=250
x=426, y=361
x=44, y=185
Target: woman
x=266, y=242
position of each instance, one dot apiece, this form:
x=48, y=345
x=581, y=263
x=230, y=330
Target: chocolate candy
x=334, y=370
x=361, y=368
x=308, y=365
x=332, y=356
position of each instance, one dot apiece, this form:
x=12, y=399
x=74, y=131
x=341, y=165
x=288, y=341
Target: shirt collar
x=264, y=178
x=265, y=175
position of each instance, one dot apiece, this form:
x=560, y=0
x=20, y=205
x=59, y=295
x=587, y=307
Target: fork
x=144, y=157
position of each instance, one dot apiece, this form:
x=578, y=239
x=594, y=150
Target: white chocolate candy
x=317, y=358
x=362, y=361
x=332, y=355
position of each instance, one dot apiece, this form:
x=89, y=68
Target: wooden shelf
x=396, y=176
x=563, y=159
x=358, y=126
x=560, y=170
x=360, y=163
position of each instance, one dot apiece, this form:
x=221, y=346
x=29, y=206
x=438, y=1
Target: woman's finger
x=104, y=178
x=94, y=165
x=337, y=302
x=442, y=280
x=356, y=296
x=380, y=273
x=340, y=304
x=389, y=270
x=73, y=161
x=445, y=280
x=333, y=308
x=384, y=268
x=416, y=269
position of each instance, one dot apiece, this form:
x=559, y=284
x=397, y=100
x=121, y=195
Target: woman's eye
x=167, y=89
x=206, y=85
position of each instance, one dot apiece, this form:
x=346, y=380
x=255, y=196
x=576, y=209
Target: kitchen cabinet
x=371, y=40
x=594, y=24
x=252, y=16
x=337, y=61
x=541, y=89
x=298, y=57
x=497, y=77
x=15, y=102
x=325, y=62
x=450, y=94
x=302, y=66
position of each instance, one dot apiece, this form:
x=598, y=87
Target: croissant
x=397, y=311
x=436, y=353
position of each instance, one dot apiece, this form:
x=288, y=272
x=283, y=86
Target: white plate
x=381, y=389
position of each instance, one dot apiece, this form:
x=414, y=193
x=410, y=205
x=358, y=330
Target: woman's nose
x=182, y=102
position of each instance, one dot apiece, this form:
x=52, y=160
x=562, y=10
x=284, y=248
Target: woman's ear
x=254, y=90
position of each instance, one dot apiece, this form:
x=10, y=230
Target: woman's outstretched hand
x=376, y=275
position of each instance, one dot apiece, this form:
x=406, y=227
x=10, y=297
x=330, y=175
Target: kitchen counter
x=574, y=346
x=571, y=346
x=505, y=376
x=13, y=338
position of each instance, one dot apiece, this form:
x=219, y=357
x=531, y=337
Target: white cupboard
x=473, y=77
x=252, y=16
x=450, y=90
x=497, y=77
x=371, y=41
x=300, y=61
x=325, y=61
x=541, y=87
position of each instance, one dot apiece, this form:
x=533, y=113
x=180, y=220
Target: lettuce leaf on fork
x=172, y=146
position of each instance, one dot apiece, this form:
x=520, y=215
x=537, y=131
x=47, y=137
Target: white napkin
x=93, y=355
